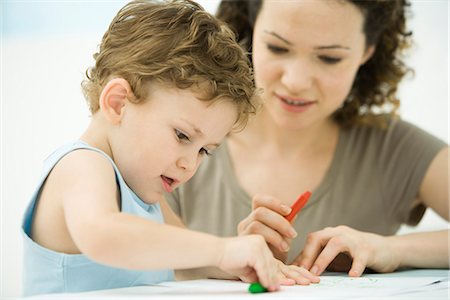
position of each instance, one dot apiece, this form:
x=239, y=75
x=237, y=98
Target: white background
x=46, y=48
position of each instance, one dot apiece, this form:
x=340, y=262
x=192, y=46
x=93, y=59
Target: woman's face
x=306, y=54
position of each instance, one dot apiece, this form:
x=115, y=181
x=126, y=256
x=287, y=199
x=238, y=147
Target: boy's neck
x=96, y=135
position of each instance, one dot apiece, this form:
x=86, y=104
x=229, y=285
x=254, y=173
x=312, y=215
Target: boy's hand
x=249, y=258
x=292, y=274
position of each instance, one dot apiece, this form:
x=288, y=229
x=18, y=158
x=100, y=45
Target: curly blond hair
x=175, y=42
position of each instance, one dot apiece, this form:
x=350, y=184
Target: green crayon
x=256, y=287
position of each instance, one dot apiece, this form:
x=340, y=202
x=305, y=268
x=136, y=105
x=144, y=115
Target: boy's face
x=160, y=143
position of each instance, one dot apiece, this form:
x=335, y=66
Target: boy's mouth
x=168, y=183
x=167, y=179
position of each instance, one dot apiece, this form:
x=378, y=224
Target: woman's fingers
x=334, y=246
x=272, y=203
x=342, y=248
x=315, y=242
x=267, y=219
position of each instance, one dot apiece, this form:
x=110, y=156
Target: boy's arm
x=87, y=190
x=170, y=217
x=89, y=196
x=203, y=273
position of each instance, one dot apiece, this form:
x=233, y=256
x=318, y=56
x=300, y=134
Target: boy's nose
x=188, y=163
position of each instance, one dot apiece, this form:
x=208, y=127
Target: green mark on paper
x=256, y=287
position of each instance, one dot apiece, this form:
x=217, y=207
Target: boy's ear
x=113, y=98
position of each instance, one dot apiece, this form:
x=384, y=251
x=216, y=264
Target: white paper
x=408, y=284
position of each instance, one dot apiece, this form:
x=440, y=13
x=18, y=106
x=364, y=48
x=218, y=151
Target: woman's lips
x=294, y=104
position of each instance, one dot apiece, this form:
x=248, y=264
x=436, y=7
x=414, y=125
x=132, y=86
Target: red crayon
x=298, y=205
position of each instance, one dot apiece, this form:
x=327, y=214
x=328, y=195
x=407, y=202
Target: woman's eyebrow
x=278, y=37
x=335, y=46
x=328, y=47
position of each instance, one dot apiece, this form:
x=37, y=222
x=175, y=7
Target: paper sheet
x=332, y=286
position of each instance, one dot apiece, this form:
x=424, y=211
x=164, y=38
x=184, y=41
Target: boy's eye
x=181, y=136
x=204, y=151
x=276, y=50
x=329, y=59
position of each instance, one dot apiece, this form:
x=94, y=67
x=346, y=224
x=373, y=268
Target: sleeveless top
x=370, y=185
x=46, y=271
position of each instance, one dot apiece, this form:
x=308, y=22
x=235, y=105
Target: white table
x=410, y=284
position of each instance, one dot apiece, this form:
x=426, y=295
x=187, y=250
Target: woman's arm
x=429, y=249
x=385, y=254
x=342, y=248
x=434, y=190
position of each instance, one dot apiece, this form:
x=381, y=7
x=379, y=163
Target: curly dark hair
x=374, y=89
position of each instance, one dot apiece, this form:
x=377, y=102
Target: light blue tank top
x=46, y=271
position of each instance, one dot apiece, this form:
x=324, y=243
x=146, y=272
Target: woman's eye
x=276, y=50
x=181, y=136
x=330, y=60
x=204, y=151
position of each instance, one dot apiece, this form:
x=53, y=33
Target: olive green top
x=371, y=184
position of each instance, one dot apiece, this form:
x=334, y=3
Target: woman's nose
x=297, y=76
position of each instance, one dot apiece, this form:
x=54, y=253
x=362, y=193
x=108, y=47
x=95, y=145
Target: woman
x=328, y=71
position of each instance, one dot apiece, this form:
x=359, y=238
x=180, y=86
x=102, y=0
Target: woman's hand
x=344, y=249
x=268, y=220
